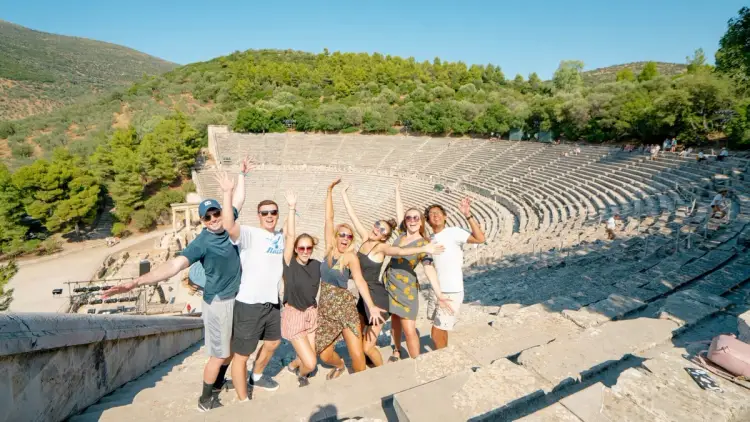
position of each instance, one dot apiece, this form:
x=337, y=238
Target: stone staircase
x=612, y=353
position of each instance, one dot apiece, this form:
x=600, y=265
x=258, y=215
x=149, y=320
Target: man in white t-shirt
x=449, y=266
x=718, y=205
x=257, y=312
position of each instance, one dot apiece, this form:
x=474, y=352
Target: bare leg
x=396, y=334
x=305, y=355
x=412, y=337
x=354, y=345
x=239, y=375
x=330, y=357
x=439, y=338
x=369, y=344
x=211, y=370
x=264, y=355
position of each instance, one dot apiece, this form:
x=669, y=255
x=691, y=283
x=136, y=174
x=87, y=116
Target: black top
x=301, y=283
x=370, y=269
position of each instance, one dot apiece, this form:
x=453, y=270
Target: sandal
x=295, y=371
x=395, y=357
x=335, y=373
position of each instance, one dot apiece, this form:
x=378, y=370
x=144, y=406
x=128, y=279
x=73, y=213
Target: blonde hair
x=329, y=258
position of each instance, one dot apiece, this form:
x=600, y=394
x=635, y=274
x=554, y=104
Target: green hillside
x=609, y=73
x=40, y=71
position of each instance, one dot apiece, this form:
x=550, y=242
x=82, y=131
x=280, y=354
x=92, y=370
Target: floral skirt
x=337, y=309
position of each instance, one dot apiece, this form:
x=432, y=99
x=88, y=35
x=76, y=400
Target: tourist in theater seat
x=371, y=254
x=401, y=280
x=299, y=319
x=337, y=310
x=213, y=249
x=449, y=266
x=257, y=314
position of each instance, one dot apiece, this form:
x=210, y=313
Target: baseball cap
x=207, y=205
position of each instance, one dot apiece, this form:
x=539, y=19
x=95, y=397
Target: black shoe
x=208, y=404
x=226, y=385
x=303, y=381
x=264, y=383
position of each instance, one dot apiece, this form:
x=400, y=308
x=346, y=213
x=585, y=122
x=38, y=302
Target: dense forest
x=137, y=145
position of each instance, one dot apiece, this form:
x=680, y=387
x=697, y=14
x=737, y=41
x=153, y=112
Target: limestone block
x=431, y=366
x=598, y=403
x=743, y=326
x=585, y=318
x=684, y=310
x=594, y=349
x=554, y=413
x=509, y=335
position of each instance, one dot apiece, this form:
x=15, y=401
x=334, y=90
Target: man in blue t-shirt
x=214, y=250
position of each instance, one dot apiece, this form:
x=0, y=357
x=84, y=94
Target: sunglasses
x=412, y=218
x=211, y=214
x=272, y=212
x=303, y=249
x=382, y=229
x=346, y=236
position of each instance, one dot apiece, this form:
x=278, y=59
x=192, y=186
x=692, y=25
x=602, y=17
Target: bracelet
x=243, y=174
x=469, y=217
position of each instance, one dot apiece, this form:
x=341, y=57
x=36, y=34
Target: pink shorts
x=296, y=323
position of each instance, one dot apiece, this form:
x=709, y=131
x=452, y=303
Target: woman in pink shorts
x=299, y=320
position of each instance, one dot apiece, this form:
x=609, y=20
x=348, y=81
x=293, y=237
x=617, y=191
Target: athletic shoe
x=264, y=383
x=208, y=404
x=303, y=381
x=226, y=385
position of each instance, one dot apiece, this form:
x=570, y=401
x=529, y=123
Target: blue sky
x=521, y=36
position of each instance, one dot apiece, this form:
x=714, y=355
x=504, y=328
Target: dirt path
x=37, y=277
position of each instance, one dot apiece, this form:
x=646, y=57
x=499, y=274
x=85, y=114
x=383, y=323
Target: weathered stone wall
x=55, y=365
x=212, y=148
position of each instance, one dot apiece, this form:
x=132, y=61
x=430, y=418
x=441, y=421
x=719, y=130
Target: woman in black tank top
x=299, y=319
x=371, y=254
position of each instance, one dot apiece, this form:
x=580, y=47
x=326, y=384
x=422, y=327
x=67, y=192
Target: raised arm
x=477, y=234
x=227, y=214
x=390, y=250
x=376, y=314
x=162, y=272
x=399, y=204
x=363, y=232
x=238, y=200
x=330, y=236
x=290, y=227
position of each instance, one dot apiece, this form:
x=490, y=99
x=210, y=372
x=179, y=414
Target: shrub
x=350, y=130
x=143, y=220
x=120, y=230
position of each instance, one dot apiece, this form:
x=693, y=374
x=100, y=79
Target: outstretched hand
x=225, y=182
x=334, y=183
x=465, y=207
x=247, y=164
x=445, y=303
x=376, y=315
x=291, y=198
x=120, y=288
x=434, y=248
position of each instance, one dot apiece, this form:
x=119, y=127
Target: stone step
x=511, y=333
x=486, y=392
x=574, y=358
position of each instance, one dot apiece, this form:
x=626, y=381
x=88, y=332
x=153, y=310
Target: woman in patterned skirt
x=371, y=255
x=337, y=311
x=401, y=280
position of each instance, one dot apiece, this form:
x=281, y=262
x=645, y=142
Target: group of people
x=244, y=267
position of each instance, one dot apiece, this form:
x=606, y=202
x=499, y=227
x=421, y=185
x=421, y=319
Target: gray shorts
x=217, y=323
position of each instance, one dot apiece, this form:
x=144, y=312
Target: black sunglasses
x=272, y=212
x=211, y=214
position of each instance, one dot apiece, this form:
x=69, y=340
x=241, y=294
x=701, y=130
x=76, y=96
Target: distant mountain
x=609, y=73
x=40, y=71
